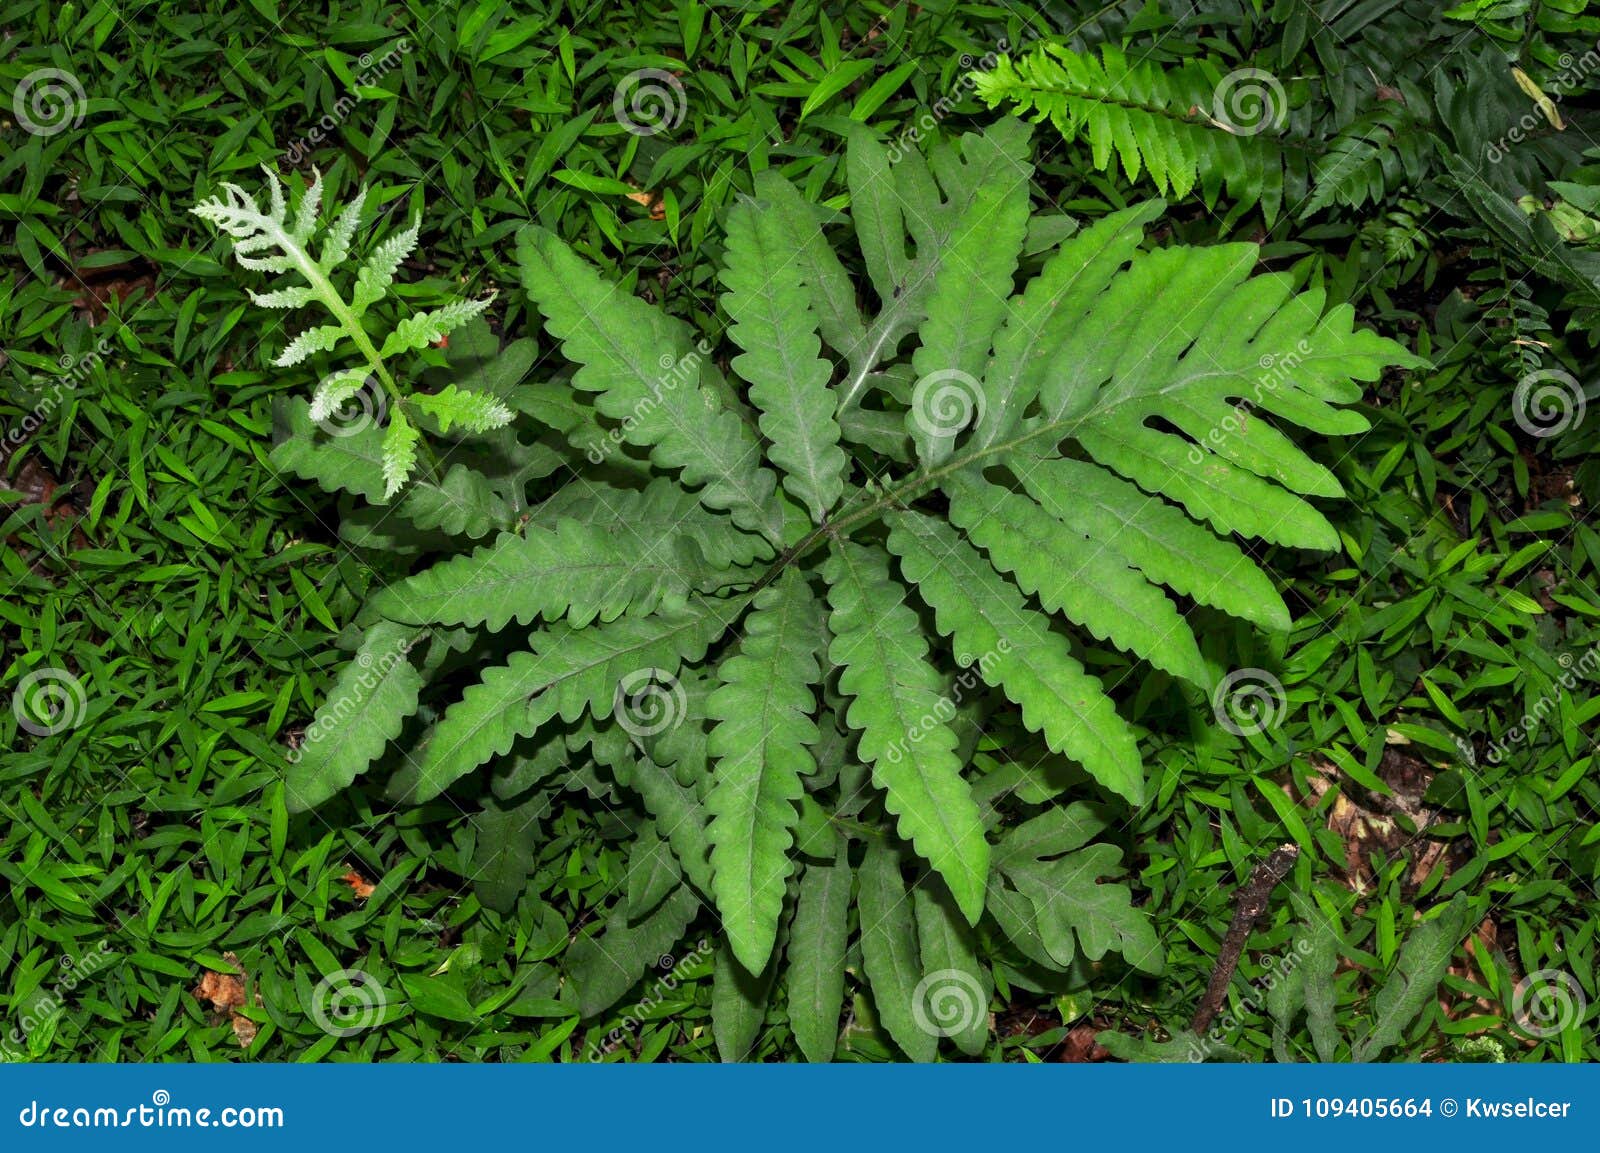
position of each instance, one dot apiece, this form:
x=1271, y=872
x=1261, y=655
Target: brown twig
x=1250, y=902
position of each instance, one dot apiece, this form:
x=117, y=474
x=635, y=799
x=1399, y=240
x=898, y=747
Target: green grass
x=198, y=603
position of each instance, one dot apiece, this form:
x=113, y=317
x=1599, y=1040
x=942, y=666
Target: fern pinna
x=1196, y=125
x=756, y=619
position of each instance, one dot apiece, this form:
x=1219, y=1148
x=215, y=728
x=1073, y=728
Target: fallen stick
x=1250, y=902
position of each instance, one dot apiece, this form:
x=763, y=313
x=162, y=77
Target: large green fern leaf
x=565, y=672
x=902, y=715
x=1011, y=645
x=773, y=323
x=762, y=718
x=645, y=373
x=370, y=700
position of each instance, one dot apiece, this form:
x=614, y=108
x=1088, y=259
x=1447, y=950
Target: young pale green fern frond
x=255, y=232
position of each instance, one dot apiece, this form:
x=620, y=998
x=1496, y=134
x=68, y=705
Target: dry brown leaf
x=359, y=885
x=1368, y=832
x=1080, y=1047
x=650, y=200
x=226, y=992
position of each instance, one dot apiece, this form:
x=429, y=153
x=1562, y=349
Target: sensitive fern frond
x=980, y=612
x=574, y=571
x=565, y=672
x=774, y=325
x=370, y=701
x=645, y=374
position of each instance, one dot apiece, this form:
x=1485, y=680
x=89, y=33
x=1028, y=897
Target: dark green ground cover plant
x=178, y=546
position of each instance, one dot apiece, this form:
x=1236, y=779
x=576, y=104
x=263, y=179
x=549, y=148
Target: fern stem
x=334, y=303
x=329, y=296
x=900, y=495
